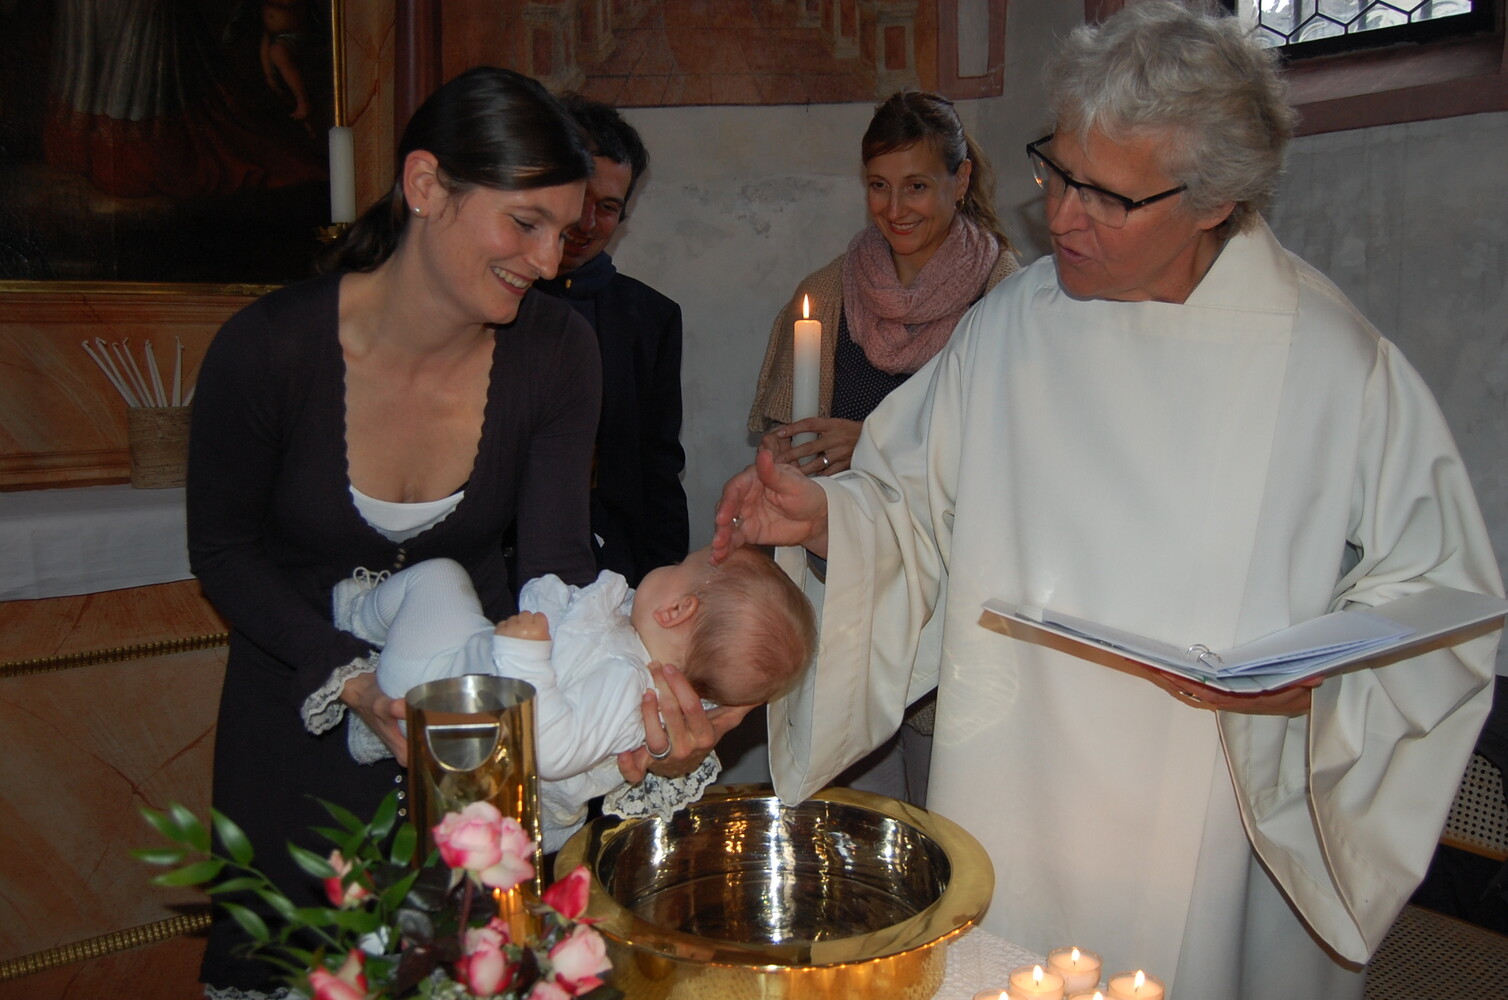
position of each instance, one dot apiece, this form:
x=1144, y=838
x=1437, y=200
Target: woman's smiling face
x=489, y=246
x=912, y=200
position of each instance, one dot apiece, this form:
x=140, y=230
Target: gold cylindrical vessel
x=471, y=739
x=845, y=894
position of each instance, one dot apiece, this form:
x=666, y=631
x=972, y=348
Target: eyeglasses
x=1105, y=207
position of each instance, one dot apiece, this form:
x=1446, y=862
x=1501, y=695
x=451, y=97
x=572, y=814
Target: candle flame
x=1075, y=956
x=806, y=307
x=1141, y=980
x=1037, y=974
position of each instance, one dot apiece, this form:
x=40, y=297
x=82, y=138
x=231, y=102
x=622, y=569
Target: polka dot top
x=858, y=386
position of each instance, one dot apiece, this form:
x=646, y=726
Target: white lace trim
x=657, y=796
x=366, y=746
x=232, y=993
x=323, y=709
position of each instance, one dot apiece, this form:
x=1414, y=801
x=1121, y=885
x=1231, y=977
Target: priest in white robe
x=1174, y=427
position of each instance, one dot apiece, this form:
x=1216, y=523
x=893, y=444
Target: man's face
x=601, y=211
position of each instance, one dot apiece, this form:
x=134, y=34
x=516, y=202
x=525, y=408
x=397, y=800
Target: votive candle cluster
x=1074, y=973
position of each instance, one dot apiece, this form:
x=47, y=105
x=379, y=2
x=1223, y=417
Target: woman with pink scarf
x=890, y=302
x=887, y=306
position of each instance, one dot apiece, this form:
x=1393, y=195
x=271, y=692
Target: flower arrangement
x=393, y=930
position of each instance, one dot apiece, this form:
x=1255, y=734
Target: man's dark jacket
x=638, y=503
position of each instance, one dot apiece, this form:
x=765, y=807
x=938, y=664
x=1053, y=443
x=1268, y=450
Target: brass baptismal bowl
x=845, y=894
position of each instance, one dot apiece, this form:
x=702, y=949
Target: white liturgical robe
x=1205, y=472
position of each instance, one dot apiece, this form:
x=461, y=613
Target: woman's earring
x=418, y=211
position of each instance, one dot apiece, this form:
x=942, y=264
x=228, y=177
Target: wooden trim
x=104, y=944
x=1403, y=83
x=991, y=83
x=116, y=654
x=417, y=60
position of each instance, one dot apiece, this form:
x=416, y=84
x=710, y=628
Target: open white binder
x=1323, y=645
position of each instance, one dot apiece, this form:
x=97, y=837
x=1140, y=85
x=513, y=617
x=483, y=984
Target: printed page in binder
x=1323, y=645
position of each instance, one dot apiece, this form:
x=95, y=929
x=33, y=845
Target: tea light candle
x=1096, y=995
x=1135, y=986
x=1032, y=982
x=1080, y=969
x=992, y=995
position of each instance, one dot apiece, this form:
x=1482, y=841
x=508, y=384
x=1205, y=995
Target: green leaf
x=195, y=874
x=344, y=817
x=405, y=841
x=232, y=838
x=249, y=921
x=356, y=921
x=387, y=812
x=246, y=883
x=342, y=839
x=314, y=916
x=194, y=833
x=163, y=824
x=310, y=862
x=160, y=855
x=280, y=904
x=394, y=894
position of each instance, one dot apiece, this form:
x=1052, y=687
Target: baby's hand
x=525, y=625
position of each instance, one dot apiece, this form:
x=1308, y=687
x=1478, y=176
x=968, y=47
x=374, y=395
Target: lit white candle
x=808, y=364
x=342, y=174
x=1032, y=982
x=992, y=995
x=1080, y=969
x=1096, y=995
x=1135, y=986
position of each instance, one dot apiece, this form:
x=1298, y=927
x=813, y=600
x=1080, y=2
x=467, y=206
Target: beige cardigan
x=772, y=396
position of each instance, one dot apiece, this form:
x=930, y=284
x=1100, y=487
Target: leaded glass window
x=1316, y=27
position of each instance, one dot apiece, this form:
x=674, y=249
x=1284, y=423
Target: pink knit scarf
x=900, y=329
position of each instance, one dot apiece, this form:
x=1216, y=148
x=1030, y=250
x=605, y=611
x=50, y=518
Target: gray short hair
x=1194, y=72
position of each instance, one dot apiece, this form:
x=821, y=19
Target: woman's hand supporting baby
x=675, y=721
x=380, y=712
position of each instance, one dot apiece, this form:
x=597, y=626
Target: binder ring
x=1205, y=655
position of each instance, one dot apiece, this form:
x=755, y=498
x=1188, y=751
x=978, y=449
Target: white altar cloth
x=982, y=961
x=57, y=543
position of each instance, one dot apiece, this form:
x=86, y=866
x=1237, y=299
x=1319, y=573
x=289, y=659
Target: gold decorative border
x=115, y=654
x=105, y=944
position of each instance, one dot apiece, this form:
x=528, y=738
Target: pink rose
x=515, y=865
x=343, y=895
x=484, y=969
x=578, y=960
x=347, y=984
x=568, y=896
x=482, y=841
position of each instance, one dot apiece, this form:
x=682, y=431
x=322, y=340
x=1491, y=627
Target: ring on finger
x=662, y=754
x=825, y=460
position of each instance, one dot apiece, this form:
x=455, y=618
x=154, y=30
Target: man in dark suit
x=638, y=504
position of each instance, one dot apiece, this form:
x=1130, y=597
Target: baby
x=741, y=632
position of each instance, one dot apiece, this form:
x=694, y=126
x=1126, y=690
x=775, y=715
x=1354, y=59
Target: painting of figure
x=162, y=140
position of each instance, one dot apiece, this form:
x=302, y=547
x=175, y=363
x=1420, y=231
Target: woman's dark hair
x=487, y=127
x=911, y=116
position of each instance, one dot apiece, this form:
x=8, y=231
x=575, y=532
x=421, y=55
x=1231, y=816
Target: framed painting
x=666, y=53
x=163, y=141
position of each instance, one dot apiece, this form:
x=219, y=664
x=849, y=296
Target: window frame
x=1393, y=84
